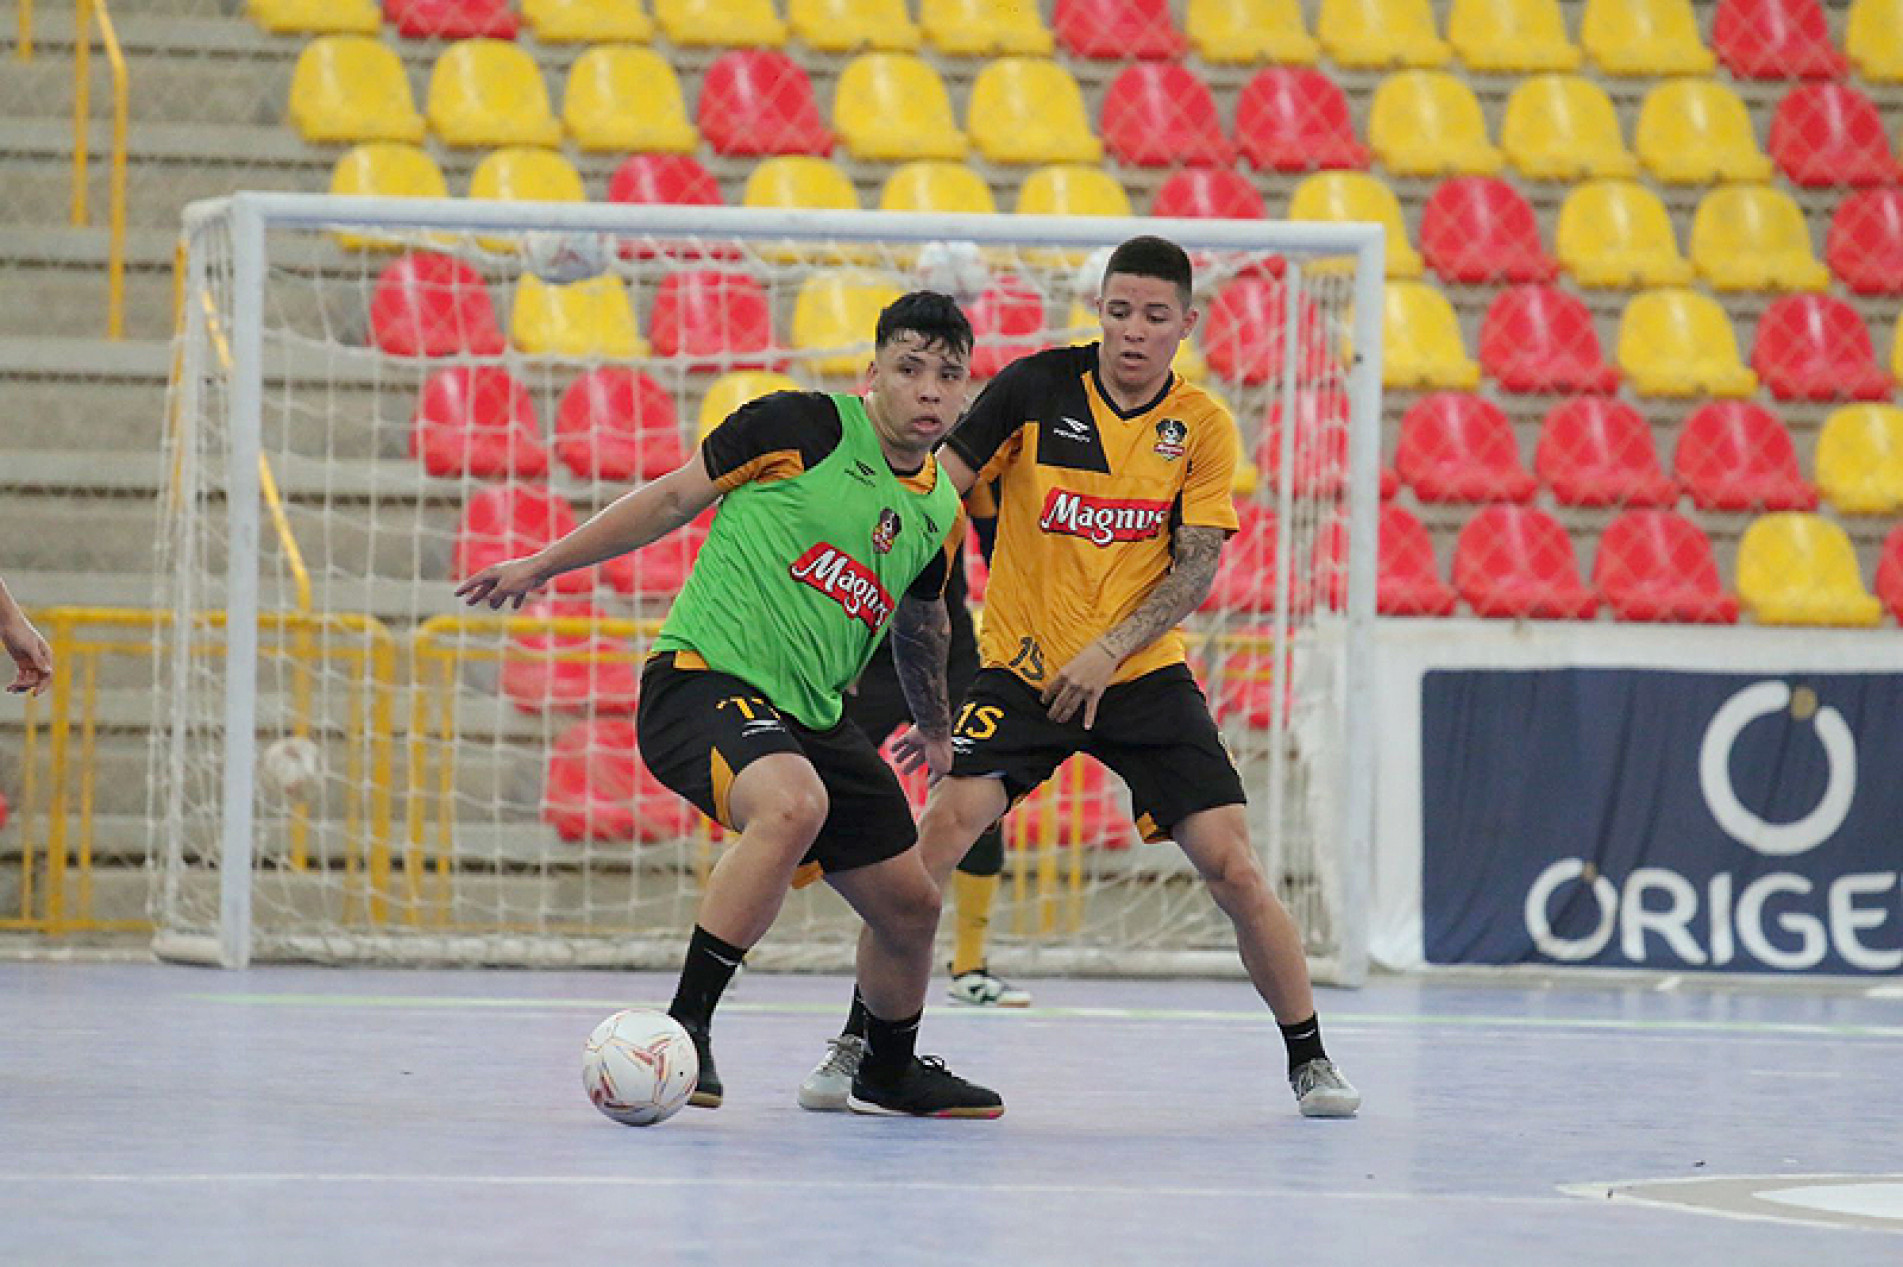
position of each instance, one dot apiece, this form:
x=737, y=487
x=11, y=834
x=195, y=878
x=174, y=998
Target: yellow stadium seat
x=586, y=319
x=1511, y=35
x=489, y=92
x=1428, y=123
x=1753, y=237
x=1374, y=34
x=1696, y=131
x=1860, y=459
x=936, y=186
x=1874, y=39
x=1800, y=569
x=390, y=169
x=985, y=28
x=893, y=106
x=1342, y=196
x=846, y=26
x=1618, y=233
x=1644, y=37
x=1563, y=127
x=719, y=23
x=1248, y=31
x=1676, y=342
x=588, y=21
x=800, y=180
x=316, y=17
x=1071, y=190
x=626, y=99
x=834, y=315
x=1421, y=347
x=732, y=390
x=1030, y=110
x=523, y=174
x=352, y=88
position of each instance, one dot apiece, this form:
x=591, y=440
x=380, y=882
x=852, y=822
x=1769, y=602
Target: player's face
x=1144, y=322
x=915, y=391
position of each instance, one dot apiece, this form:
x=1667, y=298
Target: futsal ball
x=559, y=258
x=639, y=1067
x=291, y=768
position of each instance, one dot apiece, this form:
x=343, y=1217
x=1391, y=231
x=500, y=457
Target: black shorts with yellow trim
x=1155, y=732
x=699, y=728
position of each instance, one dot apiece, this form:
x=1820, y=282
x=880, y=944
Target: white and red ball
x=639, y=1067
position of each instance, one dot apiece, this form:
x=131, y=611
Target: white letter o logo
x=1775, y=840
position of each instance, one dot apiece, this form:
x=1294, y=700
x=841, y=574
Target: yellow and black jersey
x=1089, y=497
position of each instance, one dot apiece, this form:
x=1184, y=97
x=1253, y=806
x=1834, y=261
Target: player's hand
x=499, y=583
x=915, y=748
x=1080, y=684
x=32, y=659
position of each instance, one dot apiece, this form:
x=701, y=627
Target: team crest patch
x=1170, y=435
x=887, y=532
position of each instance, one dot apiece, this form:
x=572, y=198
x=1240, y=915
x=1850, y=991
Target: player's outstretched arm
x=32, y=660
x=631, y=521
x=1081, y=683
x=921, y=642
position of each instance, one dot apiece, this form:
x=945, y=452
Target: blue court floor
x=285, y=1116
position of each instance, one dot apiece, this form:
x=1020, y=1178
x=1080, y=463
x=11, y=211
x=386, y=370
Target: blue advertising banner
x=1640, y=818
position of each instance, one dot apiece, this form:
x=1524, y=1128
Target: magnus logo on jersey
x=846, y=581
x=887, y=532
x=1170, y=434
x=1102, y=521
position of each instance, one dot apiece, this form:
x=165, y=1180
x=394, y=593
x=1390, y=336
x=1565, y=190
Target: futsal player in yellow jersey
x=1113, y=506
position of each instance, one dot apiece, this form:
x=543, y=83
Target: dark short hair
x=933, y=317
x=1151, y=256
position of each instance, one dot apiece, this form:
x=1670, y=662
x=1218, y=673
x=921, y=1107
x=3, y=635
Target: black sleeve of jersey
x=1001, y=408
x=802, y=423
x=930, y=583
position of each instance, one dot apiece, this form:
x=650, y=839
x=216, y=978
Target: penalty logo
x=887, y=532
x=1170, y=435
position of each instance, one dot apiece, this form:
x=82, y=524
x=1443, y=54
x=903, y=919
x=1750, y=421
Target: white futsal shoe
x=1321, y=1091
x=978, y=988
x=828, y=1087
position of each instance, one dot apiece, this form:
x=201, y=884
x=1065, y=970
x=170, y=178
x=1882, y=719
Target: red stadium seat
x=1775, y=39
x=451, y=19
x=1209, y=193
x=1296, y=119
x=1518, y=562
x=1865, y=248
x=1245, y=579
x=507, y=521
x=568, y=672
x=1407, y=583
x=1657, y=565
x=1115, y=30
x=1161, y=115
x=1245, y=688
x=1816, y=347
x=477, y=421
x=1890, y=573
x=1479, y=229
x=599, y=789
x=1457, y=447
x=1077, y=807
x=758, y=101
x=1243, y=333
x=977, y=572
x=1830, y=134
x=1006, y=321
x=619, y=425
x=1596, y=451
x=720, y=320
x=427, y=304
x=660, y=569
x=1538, y=338
x=1736, y=455
x=1320, y=454
x=677, y=179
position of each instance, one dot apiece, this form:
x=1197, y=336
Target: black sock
x=1304, y=1039
x=709, y=966
x=890, y=1046
x=856, y=1018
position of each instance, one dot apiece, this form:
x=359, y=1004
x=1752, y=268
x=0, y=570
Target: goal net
x=375, y=397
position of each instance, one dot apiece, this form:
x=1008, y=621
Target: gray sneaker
x=827, y=1087
x=978, y=988
x=1321, y=1091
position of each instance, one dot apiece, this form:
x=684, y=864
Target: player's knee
x=792, y=819
x=1234, y=877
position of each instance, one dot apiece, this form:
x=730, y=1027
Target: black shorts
x=699, y=729
x=1154, y=731
x=878, y=706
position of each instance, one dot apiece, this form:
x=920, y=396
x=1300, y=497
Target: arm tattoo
x=921, y=642
x=1192, y=571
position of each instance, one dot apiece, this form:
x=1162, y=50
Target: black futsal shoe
x=707, y=1087
x=924, y=1089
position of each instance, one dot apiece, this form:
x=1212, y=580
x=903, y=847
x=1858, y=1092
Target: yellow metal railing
x=24, y=46
x=82, y=109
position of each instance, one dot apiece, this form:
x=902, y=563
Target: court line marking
x=1619, y=1190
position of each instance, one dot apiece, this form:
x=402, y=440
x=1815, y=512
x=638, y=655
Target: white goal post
x=347, y=766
